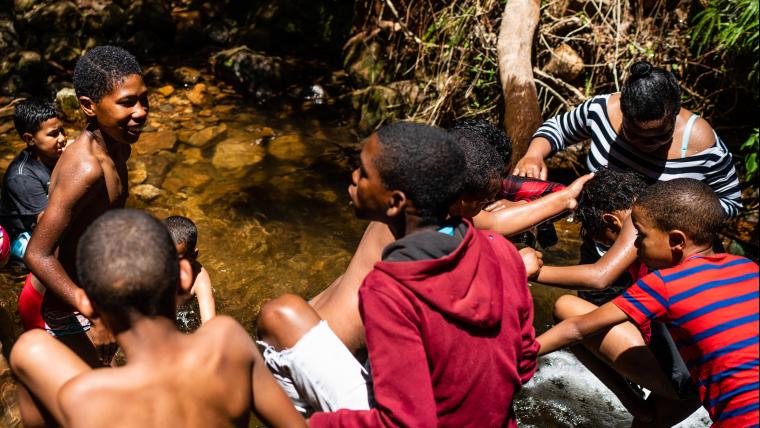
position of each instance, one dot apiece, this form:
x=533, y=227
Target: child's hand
x=574, y=190
x=533, y=261
x=103, y=339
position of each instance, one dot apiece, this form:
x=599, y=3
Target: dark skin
x=89, y=179
x=213, y=377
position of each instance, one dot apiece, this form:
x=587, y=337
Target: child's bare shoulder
x=90, y=390
x=223, y=328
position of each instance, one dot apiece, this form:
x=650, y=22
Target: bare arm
x=205, y=295
x=519, y=217
x=599, y=275
x=41, y=254
x=576, y=329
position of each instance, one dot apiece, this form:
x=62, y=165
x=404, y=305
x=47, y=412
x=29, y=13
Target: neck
x=409, y=224
x=147, y=336
x=697, y=250
x=99, y=138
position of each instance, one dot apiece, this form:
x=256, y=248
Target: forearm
x=205, y=295
x=561, y=335
x=520, y=217
x=539, y=147
x=580, y=277
x=46, y=267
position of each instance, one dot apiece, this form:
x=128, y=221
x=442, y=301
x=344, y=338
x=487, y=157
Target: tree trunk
x=521, y=112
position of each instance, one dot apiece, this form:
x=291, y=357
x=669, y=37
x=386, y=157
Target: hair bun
x=641, y=69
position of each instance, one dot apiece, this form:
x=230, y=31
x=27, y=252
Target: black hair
x=607, y=192
x=483, y=130
x=425, y=163
x=127, y=263
x=102, y=68
x=29, y=115
x=683, y=204
x=485, y=165
x=650, y=93
x=182, y=230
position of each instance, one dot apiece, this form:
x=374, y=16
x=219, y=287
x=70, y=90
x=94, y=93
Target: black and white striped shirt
x=714, y=166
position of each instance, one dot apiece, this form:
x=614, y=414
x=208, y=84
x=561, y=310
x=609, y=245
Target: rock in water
x=233, y=153
x=146, y=192
x=252, y=72
x=208, y=135
x=187, y=75
x=153, y=142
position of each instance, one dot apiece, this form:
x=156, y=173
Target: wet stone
x=184, y=176
x=287, y=147
x=153, y=142
x=138, y=172
x=166, y=90
x=197, y=95
x=68, y=103
x=187, y=75
x=146, y=192
x=208, y=135
x=205, y=113
x=234, y=153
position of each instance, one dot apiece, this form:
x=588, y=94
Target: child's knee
x=565, y=307
x=28, y=349
x=282, y=318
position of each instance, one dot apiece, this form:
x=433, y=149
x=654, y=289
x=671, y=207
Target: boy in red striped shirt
x=709, y=301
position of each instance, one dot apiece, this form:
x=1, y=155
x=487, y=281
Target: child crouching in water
x=185, y=236
x=708, y=301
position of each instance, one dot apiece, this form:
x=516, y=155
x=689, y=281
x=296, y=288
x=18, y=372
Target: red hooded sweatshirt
x=449, y=326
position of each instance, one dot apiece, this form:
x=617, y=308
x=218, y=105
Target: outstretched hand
x=103, y=340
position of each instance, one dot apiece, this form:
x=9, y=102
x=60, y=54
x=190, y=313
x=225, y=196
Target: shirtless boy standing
x=131, y=276
x=89, y=179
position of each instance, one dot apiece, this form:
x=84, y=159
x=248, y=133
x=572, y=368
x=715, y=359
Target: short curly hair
x=607, y=192
x=29, y=114
x=183, y=231
x=425, y=163
x=485, y=169
x=101, y=69
x=683, y=204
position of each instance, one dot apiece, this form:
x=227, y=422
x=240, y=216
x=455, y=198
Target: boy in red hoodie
x=447, y=312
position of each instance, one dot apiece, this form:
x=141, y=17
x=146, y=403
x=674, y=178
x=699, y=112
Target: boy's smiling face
x=123, y=112
x=368, y=194
x=49, y=141
x=652, y=244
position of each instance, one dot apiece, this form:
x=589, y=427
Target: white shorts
x=319, y=374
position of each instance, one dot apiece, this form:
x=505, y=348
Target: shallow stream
x=267, y=189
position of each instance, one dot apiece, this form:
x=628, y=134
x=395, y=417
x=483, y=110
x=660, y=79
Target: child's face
x=653, y=244
x=49, y=141
x=368, y=194
x=122, y=113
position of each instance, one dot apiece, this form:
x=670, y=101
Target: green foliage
x=751, y=147
x=730, y=26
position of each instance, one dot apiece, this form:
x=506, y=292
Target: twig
x=562, y=83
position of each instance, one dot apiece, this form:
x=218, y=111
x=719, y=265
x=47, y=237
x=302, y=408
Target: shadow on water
x=267, y=190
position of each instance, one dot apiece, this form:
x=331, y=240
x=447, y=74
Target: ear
x=28, y=138
x=88, y=106
x=84, y=305
x=185, y=277
x=397, y=203
x=677, y=240
x=612, y=222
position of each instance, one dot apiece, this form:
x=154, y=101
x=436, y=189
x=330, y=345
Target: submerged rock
x=234, y=153
x=146, y=192
x=252, y=72
x=153, y=142
x=138, y=172
x=166, y=90
x=208, y=135
x=197, y=95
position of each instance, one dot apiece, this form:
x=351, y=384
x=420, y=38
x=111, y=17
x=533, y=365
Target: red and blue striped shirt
x=710, y=304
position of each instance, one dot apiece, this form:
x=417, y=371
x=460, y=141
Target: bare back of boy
x=213, y=377
x=89, y=179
